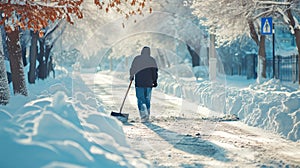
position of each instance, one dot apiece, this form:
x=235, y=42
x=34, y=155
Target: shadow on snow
x=190, y=144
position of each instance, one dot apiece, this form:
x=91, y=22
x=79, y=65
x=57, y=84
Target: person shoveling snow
x=144, y=70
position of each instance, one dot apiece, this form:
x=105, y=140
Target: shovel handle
x=125, y=95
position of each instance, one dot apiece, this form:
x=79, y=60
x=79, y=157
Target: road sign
x=266, y=26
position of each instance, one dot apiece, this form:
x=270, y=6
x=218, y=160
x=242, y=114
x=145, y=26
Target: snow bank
x=270, y=105
x=55, y=126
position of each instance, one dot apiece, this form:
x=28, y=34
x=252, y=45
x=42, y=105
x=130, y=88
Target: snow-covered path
x=178, y=136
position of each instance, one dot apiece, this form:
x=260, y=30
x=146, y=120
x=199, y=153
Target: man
x=144, y=71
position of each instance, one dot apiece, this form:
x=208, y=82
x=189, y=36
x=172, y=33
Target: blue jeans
x=143, y=95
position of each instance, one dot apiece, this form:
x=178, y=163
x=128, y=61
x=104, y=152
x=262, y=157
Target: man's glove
x=154, y=84
x=131, y=78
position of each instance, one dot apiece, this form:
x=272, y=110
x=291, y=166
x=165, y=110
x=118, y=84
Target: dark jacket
x=144, y=69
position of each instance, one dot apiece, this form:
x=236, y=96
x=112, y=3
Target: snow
x=287, y=52
x=63, y=124
x=183, y=133
x=270, y=105
x=52, y=127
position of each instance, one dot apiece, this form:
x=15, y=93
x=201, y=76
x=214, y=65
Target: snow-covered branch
x=229, y=19
x=260, y=2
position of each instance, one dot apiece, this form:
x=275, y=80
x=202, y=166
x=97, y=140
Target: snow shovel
x=119, y=115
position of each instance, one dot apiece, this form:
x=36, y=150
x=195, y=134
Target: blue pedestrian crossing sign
x=266, y=26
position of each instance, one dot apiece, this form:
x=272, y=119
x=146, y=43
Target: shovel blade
x=120, y=116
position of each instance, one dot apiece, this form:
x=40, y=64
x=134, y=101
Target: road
x=183, y=134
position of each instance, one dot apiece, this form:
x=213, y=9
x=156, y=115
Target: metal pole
x=273, y=32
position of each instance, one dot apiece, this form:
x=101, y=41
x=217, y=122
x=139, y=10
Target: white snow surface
x=62, y=124
x=185, y=133
x=270, y=104
x=53, y=127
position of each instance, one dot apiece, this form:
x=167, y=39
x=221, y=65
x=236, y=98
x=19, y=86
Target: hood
x=145, y=51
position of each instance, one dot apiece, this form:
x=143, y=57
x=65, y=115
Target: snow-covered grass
x=60, y=124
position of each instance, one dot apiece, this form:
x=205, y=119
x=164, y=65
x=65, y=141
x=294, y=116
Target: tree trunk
x=16, y=62
x=262, y=55
x=23, y=48
x=194, y=55
x=47, y=56
x=32, y=58
x=49, y=62
x=4, y=89
x=297, y=34
x=42, y=68
x=253, y=33
x=261, y=61
x=3, y=36
x=297, y=37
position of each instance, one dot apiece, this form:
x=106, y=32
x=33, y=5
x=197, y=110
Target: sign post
x=273, y=41
x=267, y=28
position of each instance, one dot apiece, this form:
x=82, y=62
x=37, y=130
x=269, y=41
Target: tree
x=229, y=20
x=4, y=89
x=37, y=15
x=16, y=62
x=45, y=46
x=287, y=12
x=32, y=57
x=125, y=7
x=34, y=15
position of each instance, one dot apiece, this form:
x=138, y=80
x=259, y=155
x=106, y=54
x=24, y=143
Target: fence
x=286, y=67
